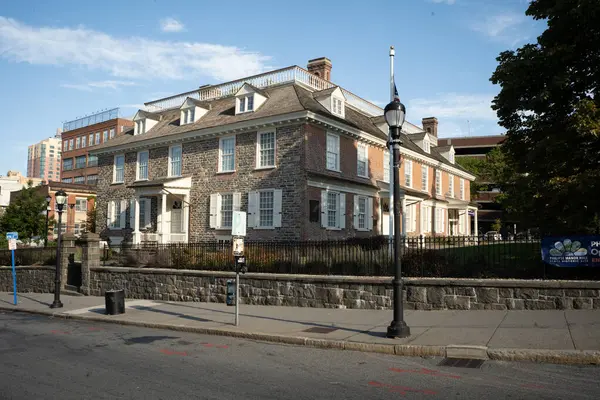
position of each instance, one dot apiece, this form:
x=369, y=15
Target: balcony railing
x=293, y=74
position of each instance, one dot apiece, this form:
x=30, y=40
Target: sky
x=60, y=60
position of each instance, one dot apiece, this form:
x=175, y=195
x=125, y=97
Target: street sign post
x=238, y=224
x=238, y=231
x=12, y=245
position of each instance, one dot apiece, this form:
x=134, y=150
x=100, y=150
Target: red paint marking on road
x=401, y=389
x=173, y=353
x=222, y=347
x=208, y=345
x=94, y=329
x=426, y=371
x=60, y=333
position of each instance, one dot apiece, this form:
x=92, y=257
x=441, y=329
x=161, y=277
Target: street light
x=60, y=198
x=395, y=113
x=48, y=199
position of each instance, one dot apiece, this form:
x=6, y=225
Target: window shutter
x=414, y=218
x=123, y=214
x=356, y=211
x=132, y=213
x=370, y=213
x=110, y=206
x=443, y=219
x=367, y=160
x=277, y=198
x=252, y=209
x=214, y=200
x=342, y=211
x=324, y=209
x=237, y=201
x=147, y=213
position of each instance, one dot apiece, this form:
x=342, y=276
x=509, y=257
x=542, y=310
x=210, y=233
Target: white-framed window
x=175, y=161
x=333, y=210
x=140, y=126
x=227, y=154
x=91, y=139
x=451, y=185
x=386, y=166
x=245, y=103
x=97, y=138
x=264, y=209
x=104, y=136
x=142, y=166
x=266, y=202
x=83, y=141
x=439, y=220
x=115, y=214
x=362, y=157
x=333, y=152
x=65, y=145
x=424, y=177
x=70, y=144
x=222, y=206
x=426, y=145
x=426, y=218
x=112, y=133
x=265, y=152
x=462, y=189
x=411, y=217
x=78, y=142
x=119, y=170
x=188, y=116
x=144, y=213
x=363, y=213
x=337, y=106
x=438, y=182
x=408, y=173
x=81, y=204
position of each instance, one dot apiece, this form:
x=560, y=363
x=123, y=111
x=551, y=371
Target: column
x=90, y=259
x=67, y=256
x=186, y=216
x=136, y=221
x=163, y=213
x=476, y=224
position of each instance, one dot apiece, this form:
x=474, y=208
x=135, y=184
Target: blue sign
x=571, y=251
x=12, y=235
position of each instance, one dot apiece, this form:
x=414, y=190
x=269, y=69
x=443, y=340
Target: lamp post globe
x=394, y=114
x=60, y=197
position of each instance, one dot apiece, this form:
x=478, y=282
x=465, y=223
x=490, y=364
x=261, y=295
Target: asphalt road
x=46, y=358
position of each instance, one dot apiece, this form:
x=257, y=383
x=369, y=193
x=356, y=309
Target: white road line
x=128, y=304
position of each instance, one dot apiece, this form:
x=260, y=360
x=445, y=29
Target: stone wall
x=29, y=279
x=347, y=292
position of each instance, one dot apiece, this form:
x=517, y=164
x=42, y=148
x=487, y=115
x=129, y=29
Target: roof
x=158, y=181
x=324, y=92
x=443, y=148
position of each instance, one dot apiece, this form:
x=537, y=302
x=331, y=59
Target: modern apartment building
x=43, y=159
x=83, y=134
x=305, y=158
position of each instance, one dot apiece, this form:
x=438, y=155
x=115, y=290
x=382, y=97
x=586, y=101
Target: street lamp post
x=394, y=116
x=48, y=199
x=61, y=199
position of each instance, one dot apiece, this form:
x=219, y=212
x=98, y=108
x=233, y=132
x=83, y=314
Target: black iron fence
x=30, y=256
x=457, y=257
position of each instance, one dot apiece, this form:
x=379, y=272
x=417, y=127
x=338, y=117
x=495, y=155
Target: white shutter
x=429, y=218
x=324, y=208
x=123, y=214
x=237, y=201
x=252, y=209
x=443, y=219
x=370, y=213
x=132, y=213
x=356, y=211
x=147, y=213
x=414, y=218
x=277, y=198
x=110, y=206
x=214, y=200
x=342, y=211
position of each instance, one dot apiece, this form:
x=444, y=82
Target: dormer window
x=246, y=103
x=452, y=157
x=187, y=116
x=249, y=99
x=191, y=111
x=426, y=146
x=337, y=106
x=143, y=120
x=140, y=127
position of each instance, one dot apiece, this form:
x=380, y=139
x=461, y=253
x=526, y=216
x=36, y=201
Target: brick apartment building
x=480, y=146
x=306, y=159
x=43, y=159
x=83, y=134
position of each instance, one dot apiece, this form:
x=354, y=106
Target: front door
x=176, y=217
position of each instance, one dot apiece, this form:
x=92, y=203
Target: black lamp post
x=60, y=198
x=394, y=116
x=48, y=199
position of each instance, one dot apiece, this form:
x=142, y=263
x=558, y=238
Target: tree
x=549, y=104
x=488, y=170
x=26, y=214
x=90, y=223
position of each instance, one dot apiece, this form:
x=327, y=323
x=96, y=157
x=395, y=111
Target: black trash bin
x=115, y=302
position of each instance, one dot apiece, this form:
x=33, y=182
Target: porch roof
x=166, y=182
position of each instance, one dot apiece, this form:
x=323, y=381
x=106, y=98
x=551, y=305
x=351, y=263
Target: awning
x=171, y=184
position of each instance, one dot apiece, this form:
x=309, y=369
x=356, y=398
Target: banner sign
x=571, y=251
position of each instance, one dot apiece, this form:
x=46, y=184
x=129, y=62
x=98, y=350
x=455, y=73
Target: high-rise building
x=81, y=135
x=43, y=159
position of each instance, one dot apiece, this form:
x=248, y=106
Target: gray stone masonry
x=67, y=253
x=90, y=258
x=29, y=279
x=347, y=292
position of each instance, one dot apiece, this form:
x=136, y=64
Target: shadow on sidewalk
x=175, y=314
x=34, y=300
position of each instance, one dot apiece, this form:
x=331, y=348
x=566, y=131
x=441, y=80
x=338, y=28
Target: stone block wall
x=29, y=279
x=347, y=292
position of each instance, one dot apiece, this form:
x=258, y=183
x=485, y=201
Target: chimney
x=430, y=125
x=320, y=67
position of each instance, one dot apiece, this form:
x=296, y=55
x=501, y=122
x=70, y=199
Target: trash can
x=230, y=292
x=115, y=302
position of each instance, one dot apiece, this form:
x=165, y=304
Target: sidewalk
x=569, y=336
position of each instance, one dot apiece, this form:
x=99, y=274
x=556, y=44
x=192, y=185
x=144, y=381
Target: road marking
x=173, y=352
x=128, y=304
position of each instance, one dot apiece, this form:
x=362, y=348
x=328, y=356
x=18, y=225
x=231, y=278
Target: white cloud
x=171, y=25
x=130, y=58
x=109, y=84
x=454, y=105
x=449, y=2
x=504, y=27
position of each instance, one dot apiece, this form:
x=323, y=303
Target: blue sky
x=60, y=60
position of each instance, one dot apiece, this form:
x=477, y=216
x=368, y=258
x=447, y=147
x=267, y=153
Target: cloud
x=171, y=25
x=129, y=58
x=449, y=2
x=454, y=105
x=114, y=85
x=503, y=27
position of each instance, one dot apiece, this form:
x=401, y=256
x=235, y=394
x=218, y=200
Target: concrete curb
x=569, y=357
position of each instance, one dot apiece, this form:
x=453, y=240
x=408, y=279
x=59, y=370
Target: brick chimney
x=320, y=67
x=430, y=125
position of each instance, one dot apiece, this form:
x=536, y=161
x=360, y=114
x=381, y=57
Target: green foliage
x=90, y=223
x=26, y=214
x=549, y=103
x=497, y=225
